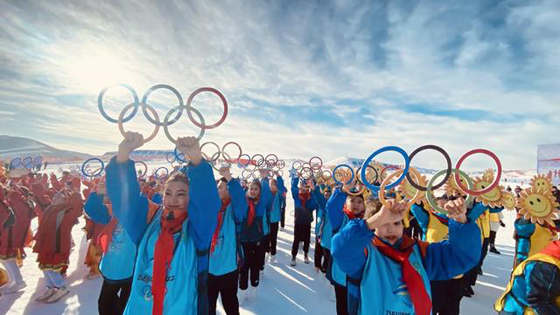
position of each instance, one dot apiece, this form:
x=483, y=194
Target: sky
x=302, y=78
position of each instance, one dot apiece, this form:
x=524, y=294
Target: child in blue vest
x=322, y=253
x=173, y=240
x=277, y=189
x=252, y=235
x=303, y=216
x=378, y=258
x=116, y=264
x=224, y=255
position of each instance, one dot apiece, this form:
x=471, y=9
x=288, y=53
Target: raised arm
x=348, y=247
x=334, y=208
x=238, y=200
x=96, y=210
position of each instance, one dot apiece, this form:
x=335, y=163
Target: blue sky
x=301, y=77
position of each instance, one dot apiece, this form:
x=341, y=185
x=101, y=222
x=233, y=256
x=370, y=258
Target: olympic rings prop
x=202, y=125
x=317, y=166
x=281, y=164
x=299, y=162
x=238, y=146
x=359, y=174
x=95, y=173
x=226, y=160
x=334, y=174
x=328, y=172
x=120, y=122
x=16, y=162
x=447, y=160
x=489, y=188
x=374, y=154
x=144, y=104
x=260, y=162
x=216, y=155
x=178, y=157
x=306, y=173
x=171, y=157
x=104, y=114
x=248, y=160
x=249, y=174
x=166, y=124
x=430, y=195
x=382, y=196
x=27, y=162
x=159, y=176
x=38, y=160
x=142, y=175
x=269, y=157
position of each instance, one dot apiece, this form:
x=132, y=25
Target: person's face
x=176, y=196
x=254, y=191
x=356, y=205
x=327, y=194
x=303, y=188
x=222, y=190
x=273, y=186
x=390, y=232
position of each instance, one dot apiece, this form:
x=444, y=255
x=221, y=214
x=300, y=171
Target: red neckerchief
x=252, y=213
x=163, y=254
x=106, y=236
x=304, y=197
x=225, y=204
x=552, y=249
x=351, y=215
x=412, y=278
x=552, y=228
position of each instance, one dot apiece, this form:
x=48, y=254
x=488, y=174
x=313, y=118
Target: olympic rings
x=328, y=172
x=382, y=196
x=217, y=155
x=104, y=114
x=178, y=156
x=334, y=174
x=385, y=149
x=318, y=165
x=299, y=162
x=202, y=125
x=359, y=176
x=142, y=175
x=267, y=159
x=250, y=173
x=388, y=167
x=166, y=125
x=38, y=160
x=227, y=160
x=120, y=121
x=144, y=103
x=171, y=157
x=430, y=195
x=281, y=164
x=489, y=188
x=248, y=160
x=236, y=144
x=96, y=172
x=306, y=171
x=16, y=162
x=447, y=160
x=260, y=162
x=27, y=162
x=161, y=168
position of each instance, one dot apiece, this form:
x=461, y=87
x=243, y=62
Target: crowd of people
x=196, y=238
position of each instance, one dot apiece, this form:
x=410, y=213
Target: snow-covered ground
x=282, y=290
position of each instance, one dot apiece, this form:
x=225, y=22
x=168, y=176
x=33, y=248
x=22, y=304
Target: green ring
x=430, y=195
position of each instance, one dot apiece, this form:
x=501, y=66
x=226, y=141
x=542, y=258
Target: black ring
x=447, y=159
x=360, y=180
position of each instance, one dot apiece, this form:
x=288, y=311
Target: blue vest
x=224, y=258
x=117, y=263
x=382, y=290
x=319, y=221
x=266, y=225
x=182, y=278
x=276, y=213
x=326, y=233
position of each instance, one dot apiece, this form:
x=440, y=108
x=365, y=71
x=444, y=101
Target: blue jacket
x=255, y=231
x=191, y=243
x=303, y=213
x=338, y=219
x=223, y=259
x=276, y=213
x=115, y=264
x=443, y=260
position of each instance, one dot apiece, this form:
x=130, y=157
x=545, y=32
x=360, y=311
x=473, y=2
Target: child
x=304, y=206
x=277, y=189
x=173, y=240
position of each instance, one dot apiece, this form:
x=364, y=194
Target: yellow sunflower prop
x=451, y=187
x=538, y=205
x=491, y=198
x=508, y=200
x=542, y=182
x=409, y=192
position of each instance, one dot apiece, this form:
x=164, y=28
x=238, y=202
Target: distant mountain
x=12, y=147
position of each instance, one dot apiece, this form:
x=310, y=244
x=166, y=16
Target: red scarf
x=412, y=278
x=163, y=254
x=225, y=204
x=552, y=249
x=251, y=214
x=351, y=214
x=106, y=235
x=303, y=197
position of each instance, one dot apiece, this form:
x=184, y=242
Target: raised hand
x=456, y=210
x=391, y=212
x=225, y=172
x=131, y=142
x=190, y=148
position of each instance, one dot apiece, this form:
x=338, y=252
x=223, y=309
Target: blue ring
x=334, y=172
x=374, y=154
x=89, y=160
x=35, y=160
x=178, y=158
x=29, y=164
x=106, y=116
x=161, y=167
x=172, y=159
x=145, y=100
x=16, y=165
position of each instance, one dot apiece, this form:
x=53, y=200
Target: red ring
x=496, y=180
x=220, y=95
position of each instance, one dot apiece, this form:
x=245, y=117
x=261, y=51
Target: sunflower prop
x=452, y=189
x=493, y=197
x=508, y=200
x=542, y=182
x=538, y=205
x=409, y=192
